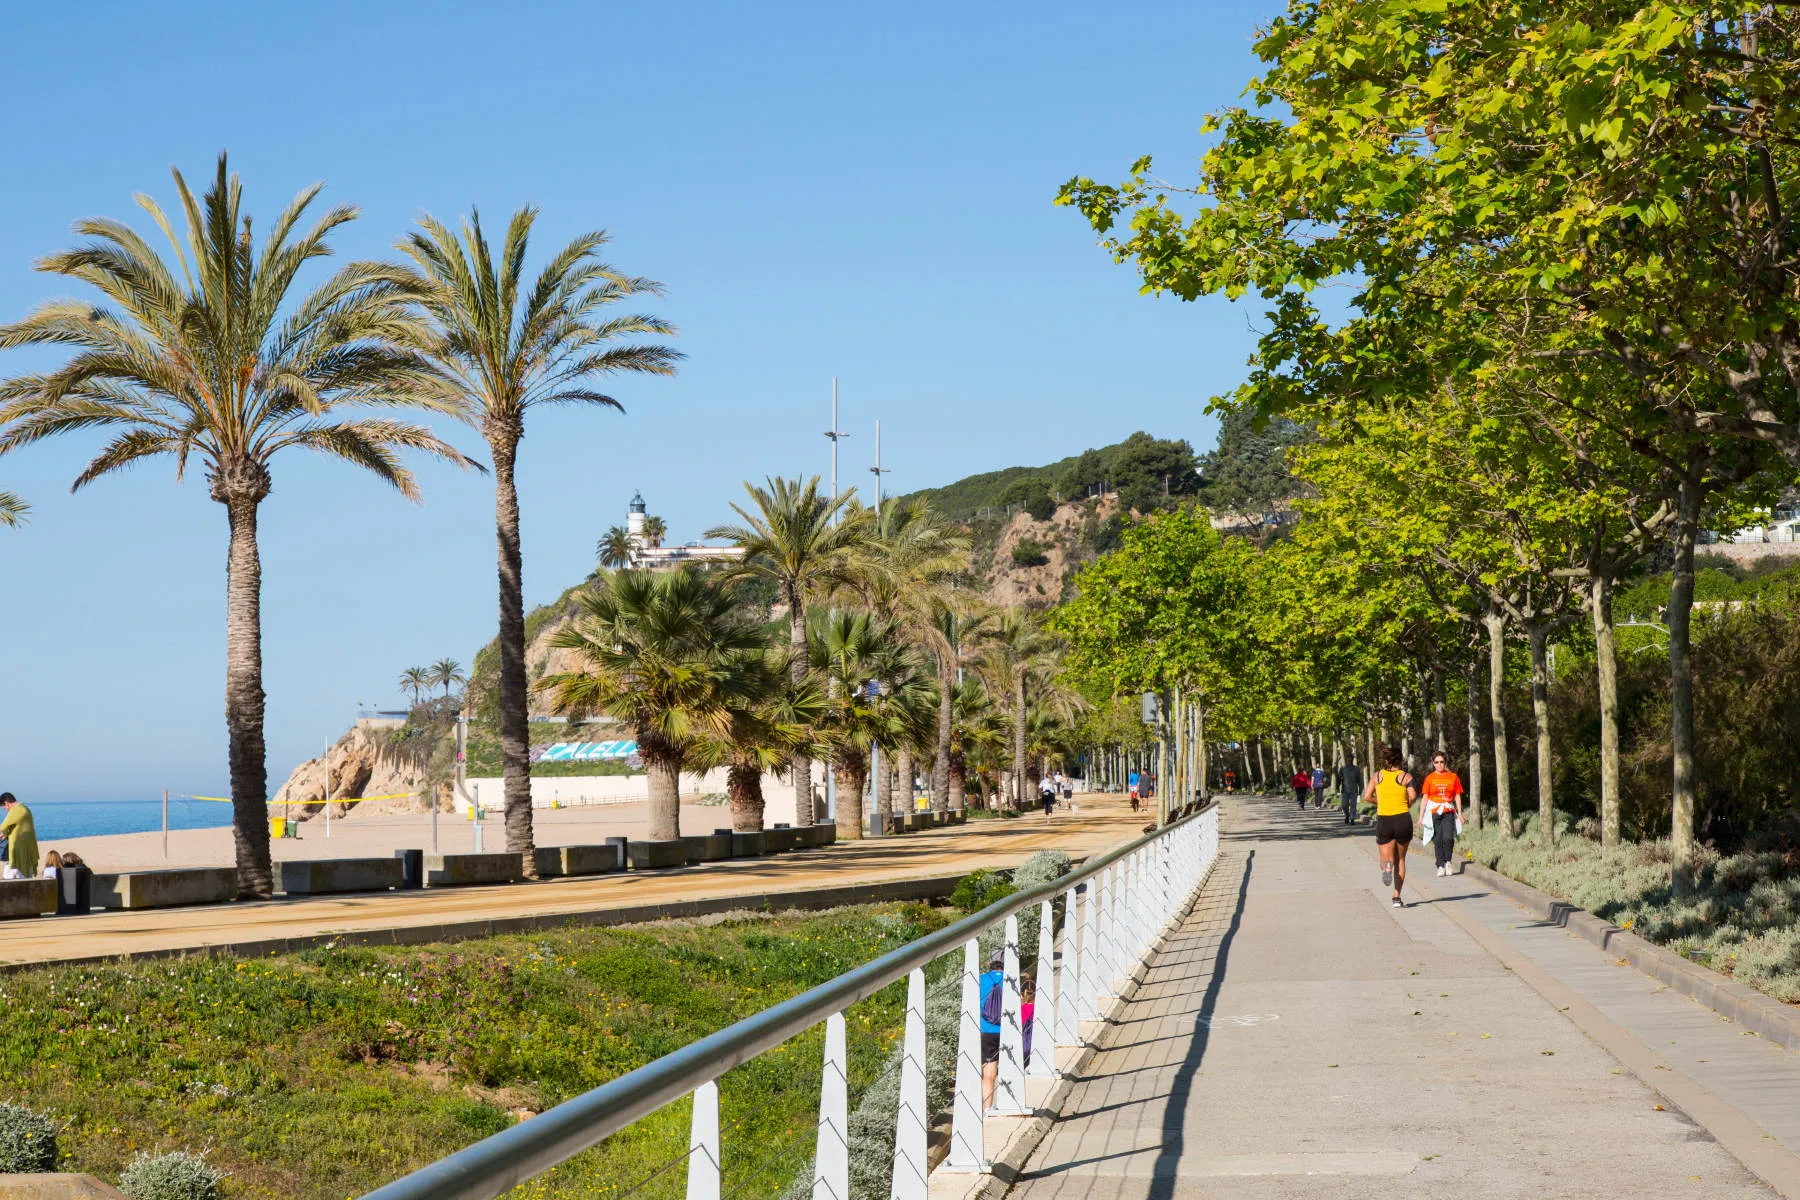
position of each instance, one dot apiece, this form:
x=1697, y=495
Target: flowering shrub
x=27, y=1141
x=176, y=1176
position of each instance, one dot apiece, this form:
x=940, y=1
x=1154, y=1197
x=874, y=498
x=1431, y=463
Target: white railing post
x=1042, y=1061
x=1009, y=1091
x=966, y=1152
x=1116, y=921
x=831, y=1157
x=1069, y=986
x=703, y=1144
x=1091, y=959
x=910, y=1167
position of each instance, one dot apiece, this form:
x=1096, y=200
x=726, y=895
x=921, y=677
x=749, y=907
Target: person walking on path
x=1230, y=781
x=1047, y=796
x=1132, y=782
x=20, y=833
x=1302, y=783
x=1393, y=794
x=1443, y=792
x=992, y=983
x=1319, y=780
x=1350, y=788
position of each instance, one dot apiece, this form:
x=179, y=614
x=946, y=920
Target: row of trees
x=1573, y=342
x=217, y=352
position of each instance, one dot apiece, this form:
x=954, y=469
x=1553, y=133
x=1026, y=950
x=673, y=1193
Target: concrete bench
x=749, y=845
x=781, y=839
x=827, y=833
x=165, y=888
x=317, y=876
x=461, y=870
x=657, y=856
x=27, y=897
x=707, y=847
x=555, y=861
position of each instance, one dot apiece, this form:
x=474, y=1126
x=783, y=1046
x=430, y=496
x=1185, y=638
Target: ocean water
x=61, y=819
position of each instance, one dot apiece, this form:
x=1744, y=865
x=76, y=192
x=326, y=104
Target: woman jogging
x=1393, y=794
x=1443, y=792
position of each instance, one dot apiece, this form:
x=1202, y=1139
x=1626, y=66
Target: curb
x=1763, y=1015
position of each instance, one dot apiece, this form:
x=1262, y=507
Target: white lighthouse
x=647, y=555
x=634, y=521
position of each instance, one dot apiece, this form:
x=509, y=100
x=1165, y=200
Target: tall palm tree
x=614, y=548
x=800, y=540
x=1016, y=653
x=655, y=530
x=447, y=673
x=510, y=348
x=848, y=650
x=773, y=719
x=667, y=655
x=952, y=631
x=12, y=510
x=215, y=359
x=416, y=680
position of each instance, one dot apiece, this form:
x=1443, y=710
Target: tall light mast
x=878, y=470
x=836, y=435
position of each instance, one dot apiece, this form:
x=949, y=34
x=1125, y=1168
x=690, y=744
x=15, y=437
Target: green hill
x=1143, y=470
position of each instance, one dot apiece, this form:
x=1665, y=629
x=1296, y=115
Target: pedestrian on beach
x=993, y=991
x=20, y=832
x=1350, y=786
x=1443, y=809
x=1393, y=794
x=1302, y=784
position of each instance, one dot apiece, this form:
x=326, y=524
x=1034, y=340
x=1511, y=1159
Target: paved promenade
x=1102, y=821
x=1297, y=1037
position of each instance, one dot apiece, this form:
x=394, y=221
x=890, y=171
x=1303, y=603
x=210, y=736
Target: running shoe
x=1397, y=903
x=1387, y=875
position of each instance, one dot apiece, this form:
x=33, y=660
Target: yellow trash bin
x=278, y=827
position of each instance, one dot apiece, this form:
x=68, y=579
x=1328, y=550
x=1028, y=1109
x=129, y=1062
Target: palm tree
x=416, y=680
x=980, y=736
x=667, y=655
x=950, y=633
x=508, y=349
x=447, y=673
x=212, y=361
x=655, y=530
x=773, y=719
x=849, y=650
x=800, y=540
x=1016, y=653
x=614, y=548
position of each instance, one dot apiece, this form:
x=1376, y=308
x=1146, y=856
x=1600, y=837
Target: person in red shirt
x=1442, y=793
x=1302, y=784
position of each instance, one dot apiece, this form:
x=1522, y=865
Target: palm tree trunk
x=957, y=784
x=743, y=788
x=664, y=770
x=903, y=778
x=1606, y=665
x=946, y=716
x=850, y=779
x=884, y=787
x=244, y=691
x=801, y=766
x=1019, y=764
x=1539, y=636
x=515, y=723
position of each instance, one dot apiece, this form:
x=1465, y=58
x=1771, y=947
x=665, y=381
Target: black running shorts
x=990, y=1047
x=1397, y=828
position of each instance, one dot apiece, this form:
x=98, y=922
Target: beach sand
x=378, y=835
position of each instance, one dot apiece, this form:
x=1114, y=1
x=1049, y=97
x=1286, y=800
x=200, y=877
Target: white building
x=650, y=554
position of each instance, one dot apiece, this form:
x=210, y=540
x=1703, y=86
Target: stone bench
x=317, y=876
x=749, y=845
x=554, y=861
x=707, y=847
x=462, y=870
x=27, y=897
x=165, y=888
x=826, y=833
x=657, y=856
x=781, y=839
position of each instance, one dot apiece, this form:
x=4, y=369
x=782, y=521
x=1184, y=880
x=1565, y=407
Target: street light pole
x=878, y=470
x=836, y=435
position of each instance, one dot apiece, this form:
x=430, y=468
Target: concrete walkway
x=1298, y=1037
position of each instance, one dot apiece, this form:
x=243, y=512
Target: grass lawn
x=322, y=1074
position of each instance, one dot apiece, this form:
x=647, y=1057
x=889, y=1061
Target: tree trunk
x=1262, y=768
x=241, y=487
x=1538, y=635
x=850, y=772
x=957, y=784
x=1020, y=799
x=1681, y=688
x=946, y=717
x=801, y=766
x=1496, y=627
x=664, y=770
x=1474, y=707
x=743, y=788
x=1440, y=709
x=884, y=787
x=903, y=779
x=1606, y=665
x=1203, y=765
x=515, y=725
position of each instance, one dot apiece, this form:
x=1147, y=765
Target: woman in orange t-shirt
x=1443, y=795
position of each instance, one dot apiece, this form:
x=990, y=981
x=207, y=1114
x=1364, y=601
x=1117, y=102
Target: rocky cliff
x=361, y=763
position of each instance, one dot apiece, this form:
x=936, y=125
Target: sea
x=57, y=820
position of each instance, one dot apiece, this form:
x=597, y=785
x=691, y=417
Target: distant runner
x=1393, y=794
x=1230, y=780
x=1443, y=792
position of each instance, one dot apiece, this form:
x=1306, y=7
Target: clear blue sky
x=850, y=190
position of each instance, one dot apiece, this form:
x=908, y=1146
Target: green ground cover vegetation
x=322, y=1074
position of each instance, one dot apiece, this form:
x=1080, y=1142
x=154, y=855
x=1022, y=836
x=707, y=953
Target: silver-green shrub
x=27, y=1140
x=175, y=1176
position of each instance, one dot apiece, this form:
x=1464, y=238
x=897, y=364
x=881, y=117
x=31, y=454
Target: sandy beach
x=378, y=835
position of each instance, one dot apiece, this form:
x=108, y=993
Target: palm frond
x=13, y=511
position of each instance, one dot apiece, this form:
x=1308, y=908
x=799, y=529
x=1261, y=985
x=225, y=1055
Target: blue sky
x=825, y=190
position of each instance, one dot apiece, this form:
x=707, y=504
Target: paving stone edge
x=1763, y=1015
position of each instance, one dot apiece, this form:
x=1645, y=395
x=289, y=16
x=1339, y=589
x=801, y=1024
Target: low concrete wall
x=578, y=791
x=457, y=870
x=707, y=847
x=27, y=897
x=748, y=845
x=165, y=889
x=313, y=877
x=56, y=1185
x=780, y=841
x=655, y=856
x=578, y=860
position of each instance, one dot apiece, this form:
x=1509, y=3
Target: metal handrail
x=508, y=1158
